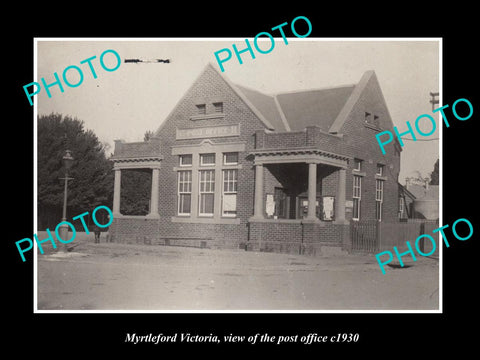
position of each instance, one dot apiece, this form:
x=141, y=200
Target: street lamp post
x=67, y=162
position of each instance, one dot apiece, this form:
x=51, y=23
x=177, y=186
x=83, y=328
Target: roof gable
x=352, y=100
x=327, y=108
x=244, y=98
x=209, y=68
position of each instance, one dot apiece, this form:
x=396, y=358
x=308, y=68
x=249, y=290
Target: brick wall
x=360, y=142
x=134, y=230
x=295, y=237
x=208, y=88
x=284, y=140
x=137, y=149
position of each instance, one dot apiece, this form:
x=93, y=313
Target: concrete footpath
x=109, y=276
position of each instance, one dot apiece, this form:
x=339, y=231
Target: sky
x=125, y=103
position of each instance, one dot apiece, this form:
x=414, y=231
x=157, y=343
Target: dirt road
x=141, y=277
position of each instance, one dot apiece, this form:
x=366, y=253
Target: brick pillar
x=312, y=191
x=340, y=200
x=258, y=207
x=154, y=193
x=116, y=192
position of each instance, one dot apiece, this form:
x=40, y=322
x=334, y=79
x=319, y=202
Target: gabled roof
x=267, y=106
x=326, y=108
x=314, y=107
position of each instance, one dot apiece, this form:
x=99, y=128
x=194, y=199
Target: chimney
x=118, y=146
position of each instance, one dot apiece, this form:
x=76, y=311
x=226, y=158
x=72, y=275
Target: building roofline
x=351, y=101
x=406, y=190
x=314, y=89
x=242, y=96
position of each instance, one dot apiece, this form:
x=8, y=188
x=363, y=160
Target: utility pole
x=434, y=100
x=136, y=61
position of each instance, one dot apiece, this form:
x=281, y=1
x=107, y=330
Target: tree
x=93, y=179
x=135, y=194
x=148, y=135
x=434, y=175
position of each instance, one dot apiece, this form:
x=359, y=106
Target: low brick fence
x=297, y=237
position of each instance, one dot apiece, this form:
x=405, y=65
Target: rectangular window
x=378, y=199
x=186, y=160
x=357, y=164
x=207, y=159
x=229, y=198
x=201, y=109
x=206, y=192
x=218, y=106
x=230, y=158
x=401, y=207
x=380, y=169
x=357, y=196
x=368, y=117
x=184, y=192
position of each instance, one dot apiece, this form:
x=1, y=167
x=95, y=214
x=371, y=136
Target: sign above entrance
x=208, y=132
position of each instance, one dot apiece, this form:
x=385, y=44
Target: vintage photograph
x=262, y=187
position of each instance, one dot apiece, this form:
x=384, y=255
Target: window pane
x=378, y=210
x=230, y=158
x=201, y=109
x=206, y=203
x=380, y=169
x=184, y=191
x=379, y=190
x=184, y=203
x=218, y=107
x=356, y=208
x=207, y=159
x=230, y=204
x=358, y=164
x=367, y=117
x=357, y=182
x=185, y=160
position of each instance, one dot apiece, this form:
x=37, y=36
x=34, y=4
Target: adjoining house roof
x=422, y=193
x=405, y=191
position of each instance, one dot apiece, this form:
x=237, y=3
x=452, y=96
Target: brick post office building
x=235, y=168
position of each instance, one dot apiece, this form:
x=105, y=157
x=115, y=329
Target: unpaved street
x=142, y=277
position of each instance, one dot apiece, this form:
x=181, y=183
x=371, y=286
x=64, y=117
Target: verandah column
x=116, y=192
x=340, y=201
x=312, y=191
x=154, y=193
x=258, y=205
